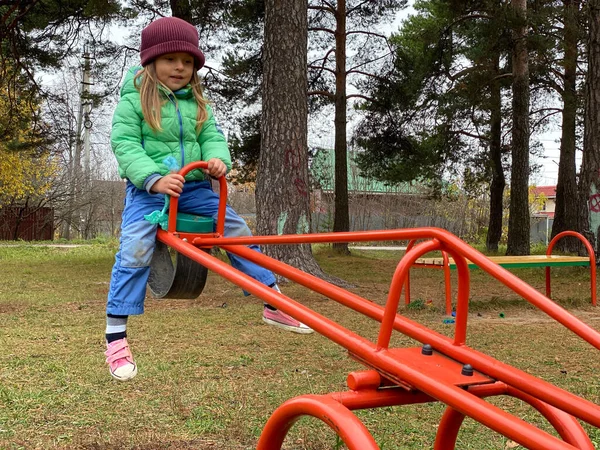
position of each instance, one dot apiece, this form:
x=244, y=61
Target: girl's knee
x=235, y=226
x=137, y=252
x=137, y=244
x=238, y=231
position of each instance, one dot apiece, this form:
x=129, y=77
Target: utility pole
x=86, y=106
x=79, y=180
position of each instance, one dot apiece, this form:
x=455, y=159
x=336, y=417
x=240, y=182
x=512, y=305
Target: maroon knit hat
x=170, y=35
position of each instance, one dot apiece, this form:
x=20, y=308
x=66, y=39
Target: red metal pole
x=407, y=290
x=447, y=432
x=400, y=276
x=447, y=283
x=591, y=255
x=339, y=418
x=451, y=243
x=174, y=201
x=368, y=399
x=566, y=425
x=462, y=299
x=391, y=305
x=569, y=429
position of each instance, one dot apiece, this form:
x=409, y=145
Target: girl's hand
x=216, y=168
x=171, y=184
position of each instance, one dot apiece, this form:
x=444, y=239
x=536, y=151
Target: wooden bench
x=516, y=261
x=548, y=260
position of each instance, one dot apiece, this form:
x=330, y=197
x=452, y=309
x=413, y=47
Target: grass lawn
x=211, y=373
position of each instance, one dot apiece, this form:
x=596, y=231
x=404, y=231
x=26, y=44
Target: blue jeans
x=138, y=237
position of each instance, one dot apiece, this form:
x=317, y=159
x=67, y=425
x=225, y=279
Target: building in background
x=548, y=197
x=542, y=216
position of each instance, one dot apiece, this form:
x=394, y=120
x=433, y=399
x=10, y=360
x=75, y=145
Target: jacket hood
x=128, y=87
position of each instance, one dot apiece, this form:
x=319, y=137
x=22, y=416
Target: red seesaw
x=442, y=370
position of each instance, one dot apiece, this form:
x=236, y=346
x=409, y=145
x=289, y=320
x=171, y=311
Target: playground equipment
x=443, y=369
x=175, y=275
x=548, y=261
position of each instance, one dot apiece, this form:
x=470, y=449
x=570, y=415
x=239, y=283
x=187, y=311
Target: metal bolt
x=427, y=350
x=467, y=370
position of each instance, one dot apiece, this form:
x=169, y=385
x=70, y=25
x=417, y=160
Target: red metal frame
x=174, y=204
x=339, y=418
x=591, y=255
x=448, y=284
x=447, y=280
x=417, y=381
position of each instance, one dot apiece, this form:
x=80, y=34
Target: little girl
x=162, y=113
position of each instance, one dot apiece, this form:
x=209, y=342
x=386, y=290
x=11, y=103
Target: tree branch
x=353, y=69
x=366, y=32
x=364, y=97
x=324, y=58
x=351, y=10
x=330, y=5
x=329, y=9
x=324, y=93
x=536, y=124
x=475, y=136
x=19, y=16
x=546, y=109
x=462, y=73
x=371, y=75
x=465, y=18
x=504, y=75
x=326, y=30
x=9, y=12
x=322, y=68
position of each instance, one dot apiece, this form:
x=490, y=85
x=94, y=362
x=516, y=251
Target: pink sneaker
x=282, y=320
x=120, y=360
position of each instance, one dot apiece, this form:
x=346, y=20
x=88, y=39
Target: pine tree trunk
x=341, y=220
x=282, y=195
x=589, y=181
x=181, y=9
x=498, y=181
x=518, y=223
x=566, y=190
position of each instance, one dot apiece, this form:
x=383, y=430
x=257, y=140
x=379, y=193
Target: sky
x=549, y=173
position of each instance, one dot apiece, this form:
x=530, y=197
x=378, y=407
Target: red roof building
x=549, y=193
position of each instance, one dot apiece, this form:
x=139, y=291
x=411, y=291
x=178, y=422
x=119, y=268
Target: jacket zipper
x=181, y=136
x=181, y=146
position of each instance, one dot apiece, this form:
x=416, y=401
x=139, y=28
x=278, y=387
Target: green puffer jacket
x=140, y=151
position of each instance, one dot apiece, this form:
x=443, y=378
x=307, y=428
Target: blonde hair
x=152, y=100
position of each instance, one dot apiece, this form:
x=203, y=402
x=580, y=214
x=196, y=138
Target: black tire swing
x=173, y=275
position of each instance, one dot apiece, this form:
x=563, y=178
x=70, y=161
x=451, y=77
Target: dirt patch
x=166, y=445
x=526, y=317
x=12, y=308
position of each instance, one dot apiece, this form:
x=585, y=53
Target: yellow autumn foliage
x=27, y=172
x=23, y=175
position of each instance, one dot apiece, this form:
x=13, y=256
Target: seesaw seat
x=173, y=275
x=190, y=223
